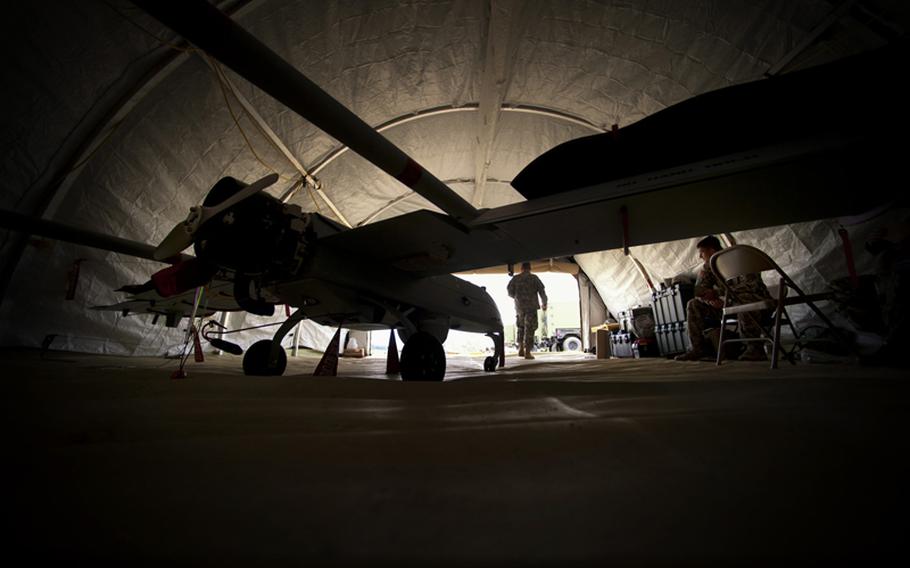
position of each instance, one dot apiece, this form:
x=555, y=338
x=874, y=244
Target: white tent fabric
x=110, y=122
x=811, y=253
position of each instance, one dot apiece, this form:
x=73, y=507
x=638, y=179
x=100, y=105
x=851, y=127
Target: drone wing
x=760, y=188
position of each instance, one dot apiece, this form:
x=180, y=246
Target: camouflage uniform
x=892, y=244
x=701, y=315
x=524, y=288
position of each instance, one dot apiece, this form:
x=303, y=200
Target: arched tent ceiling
x=112, y=122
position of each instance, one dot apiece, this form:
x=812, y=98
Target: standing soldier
x=524, y=288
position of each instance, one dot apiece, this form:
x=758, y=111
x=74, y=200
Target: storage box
x=603, y=344
x=638, y=321
x=621, y=343
x=669, y=304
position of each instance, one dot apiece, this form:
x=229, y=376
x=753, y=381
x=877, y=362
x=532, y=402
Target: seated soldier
x=705, y=310
x=891, y=243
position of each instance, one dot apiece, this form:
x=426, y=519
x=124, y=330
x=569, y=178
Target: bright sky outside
x=560, y=288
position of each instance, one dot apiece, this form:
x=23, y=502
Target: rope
x=223, y=86
x=230, y=331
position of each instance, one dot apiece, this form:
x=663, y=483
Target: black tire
x=256, y=360
x=423, y=358
x=489, y=364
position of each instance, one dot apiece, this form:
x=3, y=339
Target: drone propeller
x=181, y=236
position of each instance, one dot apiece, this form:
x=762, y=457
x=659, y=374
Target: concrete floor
x=561, y=461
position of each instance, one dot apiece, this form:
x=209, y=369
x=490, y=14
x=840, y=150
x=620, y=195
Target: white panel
x=811, y=253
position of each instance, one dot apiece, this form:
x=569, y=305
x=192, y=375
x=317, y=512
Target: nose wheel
x=498, y=358
x=422, y=358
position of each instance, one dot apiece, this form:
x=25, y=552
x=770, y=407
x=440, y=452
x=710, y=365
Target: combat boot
x=528, y=352
x=521, y=351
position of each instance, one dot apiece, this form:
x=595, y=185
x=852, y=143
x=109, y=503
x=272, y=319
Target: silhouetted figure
x=525, y=288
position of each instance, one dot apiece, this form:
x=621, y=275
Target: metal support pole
x=223, y=321
x=296, y=340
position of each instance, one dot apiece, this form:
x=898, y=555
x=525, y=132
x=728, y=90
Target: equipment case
x=669, y=305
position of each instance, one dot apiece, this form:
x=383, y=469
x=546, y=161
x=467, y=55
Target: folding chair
x=740, y=260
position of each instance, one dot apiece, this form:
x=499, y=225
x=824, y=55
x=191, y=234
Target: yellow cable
x=222, y=81
x=227, y=102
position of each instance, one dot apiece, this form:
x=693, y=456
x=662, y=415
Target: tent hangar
x=116, y=124
x=288, y=169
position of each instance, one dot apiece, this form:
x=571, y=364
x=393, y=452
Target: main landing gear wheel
x=256, y=360
x=489, y=364
x=422, y=358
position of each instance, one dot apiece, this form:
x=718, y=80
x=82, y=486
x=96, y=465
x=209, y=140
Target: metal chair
x=740, y=260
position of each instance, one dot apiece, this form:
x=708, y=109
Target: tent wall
x=140, y=128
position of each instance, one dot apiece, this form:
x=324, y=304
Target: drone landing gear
x=257, y=360
x=422, y=358
x=498, y=358
x=267, y=358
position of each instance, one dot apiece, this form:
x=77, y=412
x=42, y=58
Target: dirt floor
x=562, y=461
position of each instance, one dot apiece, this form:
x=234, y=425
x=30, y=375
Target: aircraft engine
x=260, y=235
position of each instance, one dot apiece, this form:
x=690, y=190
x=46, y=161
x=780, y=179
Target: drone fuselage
x=276, y=251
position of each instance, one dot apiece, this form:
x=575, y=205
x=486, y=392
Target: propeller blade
x=181, y=236
x=248, y=191
x=175, y=242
